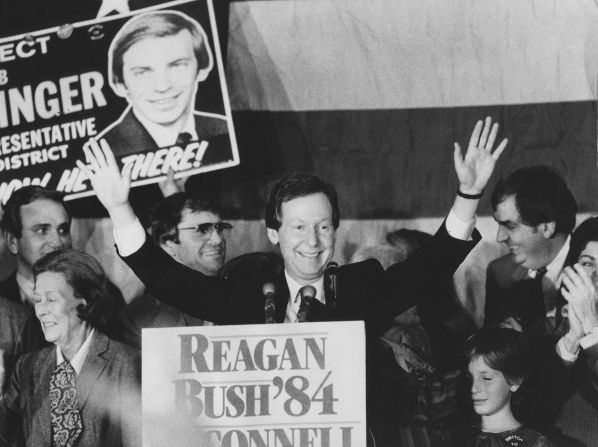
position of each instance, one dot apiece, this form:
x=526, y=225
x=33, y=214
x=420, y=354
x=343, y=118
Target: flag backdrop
x=371, y=95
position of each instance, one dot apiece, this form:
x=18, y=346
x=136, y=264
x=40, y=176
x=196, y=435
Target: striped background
x=371, y=94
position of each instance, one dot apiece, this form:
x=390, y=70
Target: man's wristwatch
x=590, y=339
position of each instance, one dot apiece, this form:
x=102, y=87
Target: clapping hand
x=580, y=293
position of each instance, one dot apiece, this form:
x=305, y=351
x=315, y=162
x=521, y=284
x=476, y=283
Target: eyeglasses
x=205, y=230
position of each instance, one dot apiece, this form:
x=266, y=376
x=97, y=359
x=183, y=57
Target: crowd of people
x=71, y=344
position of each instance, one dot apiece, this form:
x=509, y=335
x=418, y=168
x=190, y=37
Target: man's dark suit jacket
x=146, y=311
x=365, y=291
x=9, y=289
x=107, y=391
x=510, y=292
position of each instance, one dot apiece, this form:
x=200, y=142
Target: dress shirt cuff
x=457, y=228
x=564, y=353
x=129, y=239
x=589, y=340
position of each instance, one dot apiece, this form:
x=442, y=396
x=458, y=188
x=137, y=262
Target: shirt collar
x=26, y=288
x=79, y=357
x=294, y=287
x=553, y=270
x=164, y=136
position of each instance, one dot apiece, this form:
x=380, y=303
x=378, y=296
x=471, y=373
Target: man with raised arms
x=302, y=217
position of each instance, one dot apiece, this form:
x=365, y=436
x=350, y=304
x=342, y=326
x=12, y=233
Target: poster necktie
x=182, y=140
x=64, y=407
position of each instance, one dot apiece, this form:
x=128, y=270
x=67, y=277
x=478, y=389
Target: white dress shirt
x=79, y=358
x=551, y=282
x=295, y=299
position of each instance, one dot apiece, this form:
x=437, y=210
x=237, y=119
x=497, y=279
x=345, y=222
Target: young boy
x=498, y=363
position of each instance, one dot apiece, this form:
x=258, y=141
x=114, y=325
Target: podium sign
x=291, y=385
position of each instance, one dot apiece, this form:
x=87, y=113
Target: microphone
x=269, y=291
x=330, y=275
x=308, y=295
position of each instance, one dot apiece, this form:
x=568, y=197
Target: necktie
x=182, y=140
x=537, y=314
x=64, y=407
x=540, y=273
x=308, y=296
x=548, y=301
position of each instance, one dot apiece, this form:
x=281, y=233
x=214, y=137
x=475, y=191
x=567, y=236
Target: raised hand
x=171, y=185
x=111, y=186
x=476, y=167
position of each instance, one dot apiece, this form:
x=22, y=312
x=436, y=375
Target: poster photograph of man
x=150, y=82
x=155, y=62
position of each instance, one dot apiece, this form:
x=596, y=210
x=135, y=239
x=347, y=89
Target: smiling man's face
x=160, y=77
x=306, y=236
x=202, y=253
x=528, y=245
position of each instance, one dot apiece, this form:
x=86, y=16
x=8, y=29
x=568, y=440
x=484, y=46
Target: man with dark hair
x=535, y=212
x=155, y=62
x=302, y=217
x=34, y=223
x=191, y=231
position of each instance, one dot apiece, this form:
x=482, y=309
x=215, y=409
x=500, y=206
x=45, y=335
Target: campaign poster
x=292, y=385
x=150, y=82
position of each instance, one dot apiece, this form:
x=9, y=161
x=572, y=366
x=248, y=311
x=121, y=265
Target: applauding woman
x=579, y=346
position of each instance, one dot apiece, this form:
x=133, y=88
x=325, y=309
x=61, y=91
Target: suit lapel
x=93, y=366
x=41, y=422
x=145, y=140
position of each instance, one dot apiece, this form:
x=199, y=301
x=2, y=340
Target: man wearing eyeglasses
x=302, y=216
x=191, y=231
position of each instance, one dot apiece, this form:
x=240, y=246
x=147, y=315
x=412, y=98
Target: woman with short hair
x=84, y=389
